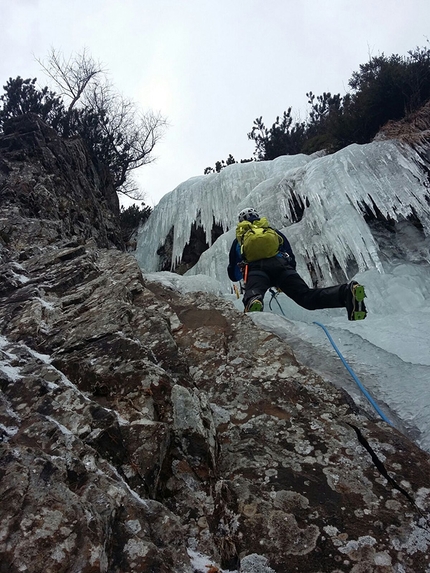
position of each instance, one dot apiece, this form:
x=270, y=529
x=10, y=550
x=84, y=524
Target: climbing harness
x=354, y=376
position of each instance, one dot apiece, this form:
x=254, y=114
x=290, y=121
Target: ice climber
x=263, y=258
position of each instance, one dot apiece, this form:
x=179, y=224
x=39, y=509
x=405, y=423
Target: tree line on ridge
x=123, y=137
x=383, y=89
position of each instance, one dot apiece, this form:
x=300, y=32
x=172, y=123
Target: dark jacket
x=235, y=257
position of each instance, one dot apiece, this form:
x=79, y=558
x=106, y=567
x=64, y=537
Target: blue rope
x=350, y=370
x=274, y=296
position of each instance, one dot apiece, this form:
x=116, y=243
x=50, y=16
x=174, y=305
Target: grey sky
x=211, y=67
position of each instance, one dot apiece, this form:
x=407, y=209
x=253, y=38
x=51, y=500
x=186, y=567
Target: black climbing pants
x=276, y=272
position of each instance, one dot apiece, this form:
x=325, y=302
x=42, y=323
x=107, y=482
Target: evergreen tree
x=131, y=218
x=22, y=96
x=283, y=138
x=385, y=88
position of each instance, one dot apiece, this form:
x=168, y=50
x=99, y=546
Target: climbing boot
x=255, y=304
x=355, y=306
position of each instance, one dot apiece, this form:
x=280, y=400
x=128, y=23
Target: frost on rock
x=255, y=564
x=184, y=284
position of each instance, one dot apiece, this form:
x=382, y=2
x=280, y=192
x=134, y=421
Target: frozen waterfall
x=362, y=212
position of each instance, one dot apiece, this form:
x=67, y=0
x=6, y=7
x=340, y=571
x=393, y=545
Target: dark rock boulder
x=52, y=191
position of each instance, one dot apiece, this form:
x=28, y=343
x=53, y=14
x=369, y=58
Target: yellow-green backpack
x=257, y=240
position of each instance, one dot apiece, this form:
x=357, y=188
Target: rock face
x=51, y=190
x=148, y=431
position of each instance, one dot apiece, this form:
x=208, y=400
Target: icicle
x=332, y=195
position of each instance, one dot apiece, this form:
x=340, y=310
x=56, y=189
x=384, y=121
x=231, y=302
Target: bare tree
x=132, y=133
x=117, y=130
x=75, y=76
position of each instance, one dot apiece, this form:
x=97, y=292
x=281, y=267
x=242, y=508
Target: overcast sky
x=211, y=67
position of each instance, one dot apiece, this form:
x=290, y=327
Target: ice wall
x=205, y=200
x=386, y=178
